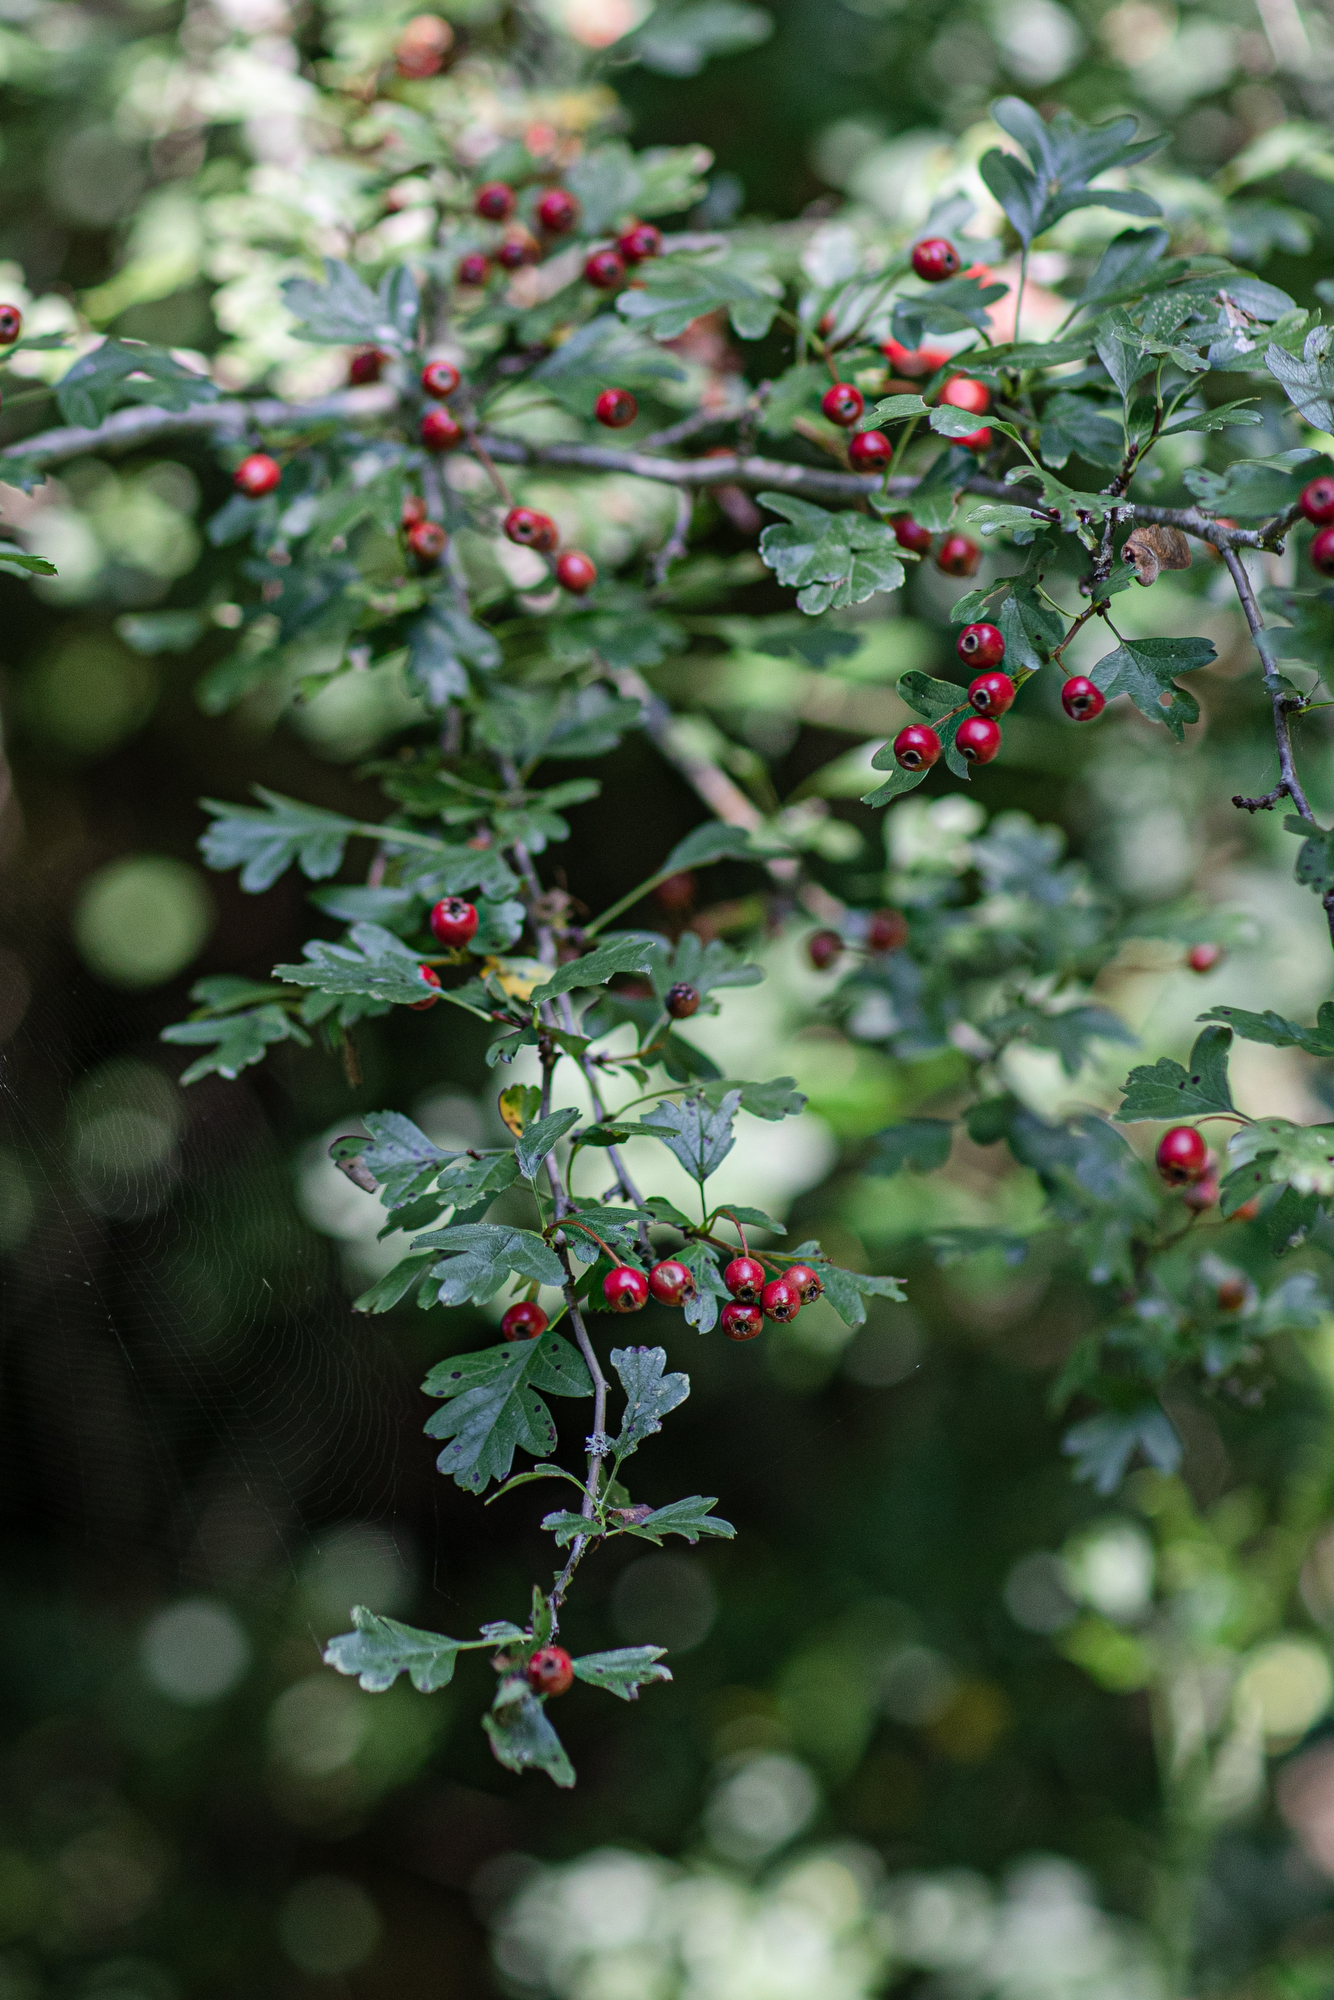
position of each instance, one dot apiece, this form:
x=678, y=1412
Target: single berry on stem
x=822, y=948
x=886, y=931
x=741, y=1320
x=426, y=541
x=1081, y=700
x=412, y=510
x=916, y=748
x=524, y=1321
x=257, y=475
x=808, y=1283
x=671, y=1283
x=843, y=404
x=910, y=534
x=557, y=211
x=531, y=530
x=1322, y=551
x=780, y=1300
x=961, y=392
x=604, y=269
x=981, y=645
x=11, y=325
x=643, y=240
x=1231, y=1294
x=934, y=259
x=958, y=555
x=1204, y=957
x=423, y=47
x=438, y=431
x=615, y=408
x=576, y=572
x=1317, y=501
x=744, y=1278
x=869, y=451
x=367, y=365
x=440, y=379
x=550, y=1671
x=1201, y=1194
x=453, y=922
x=517, y=249
x=494, y=202
x=682, y=1001
x=474, y=269
x=625, y=1289
x=991, y=694
x=977, y=739
x=1182, y=1155
x=432, y=978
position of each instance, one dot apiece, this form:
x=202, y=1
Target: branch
x=145, y=423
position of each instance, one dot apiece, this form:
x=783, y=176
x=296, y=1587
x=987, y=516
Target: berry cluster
x=978, y=737
x=556, y=213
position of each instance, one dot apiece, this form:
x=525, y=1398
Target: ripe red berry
x=1204, y=957
x=958, y=555
x=869, y=451
x=843, y=404
x=1081, y=700
x=677, y=892
x=671, y=1283
x=916, y=748
x=432, y=978
x=1231, y=1295
x=1248, y=1210
x=682, y=1001
x=557, y=211
x=474, y=269
x=977, y=739
x=1182, y=1156
x=452, y=921
x=531, y=530
x=495, y=202
x=975, y=440
x=910, y=534
x=963, y=393
x=934, y=258
x=257, y=475
x=806, y=1281
x=741, y=1321
x=625, y=1289
x=439, y=432
x=426, y=541
x=605, y=269
x=744, y=1279
x=643, y=240
x=576, y=572
x=1322, y=551
x=440, y=379
x=886, y=931
x=1201, y=1194
x=550, y=1671
x=412, y=510
x=780, y=1300
x=615, y=408
x=517, y=249
x=423, y=46
x=991, y=694
x=11, y=325
x=524, y=1321
x=367, y=365
x=822, y=948
x=981, y=645
x=1317, y=501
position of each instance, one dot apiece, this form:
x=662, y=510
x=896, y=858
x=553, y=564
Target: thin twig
x=677, y=542
x=1285, y=703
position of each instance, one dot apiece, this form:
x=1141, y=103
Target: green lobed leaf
x=537, y=1139
x=239, y=1040
x=831, y=560
x=494, y=1407
x=649, y=1394
x=373, y=962
x=523, y=1740
x=921, y=1143
x=624, y=1671
x=1145, y=670
x=1103, y=1446
x=691, y=1519
x=713, y=841
x=483, y=1254
x=1277, y=1032
x=265, y=843
x=1165, y=1090
x=672, y=291
x=627, y=954
x=380, y=1649
x=698, y=1134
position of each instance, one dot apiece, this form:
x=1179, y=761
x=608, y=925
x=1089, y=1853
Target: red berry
x=869, y=451
x=452, y=921
x=426, y=541
x=366, y=366
x=822, y=948
x=671, y=1283
x=843, y=404
x=11, y=325
x=916, y=748
x=550, y=1671
x=423, y=46
x=604, y=269
x=625, y=1289
x=1231, y=1295
x=517, y=250
x=473, y=269
x=886, y=931
x=643, y=240
x=1204, y=957
x=740, y=1321
x=495, y=202
x=257, y=475
x=531, y=530
x=432, y=978
x=1182, y=1156
x=439, y=432
x=1081, y=700
x=615, y=408
x=524, y=1321
x=977, y=739
x=744, y=1279
x=991, y=694
x=780, y=1300
x=910, y=534
x=682, y=1001
x=557, y=211
x=806, y=1281
x=1317, y=501
x=981, y=645
x=1201, y=1194
x=576, y=572
x=1247, y=1211
x=1322, y=551
x=412, y=510
x=958, y=555
x=934, y=258
x=677, y=892
x=963, y=393
x=439, y=379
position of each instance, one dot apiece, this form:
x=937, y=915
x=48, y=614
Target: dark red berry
x=1322, y=551
x=958, y=555
x=576, y=572
x=1317, y=501
x=807, y=1282
x=780, y=1300
x=423, y=46
x=517, y=249
x=1081, y=700
x=981, y=645
x=963, y=393
x=439, y=432
x=822, y=948
x=495, y=202
x=682, y=1001
x=426, y=541
x=869, y=451
x=625, y=1289
x=557, y=211
x=934, y=258
x=474, y=269
x=916, y=748
x=744, y=1279
x=1182, y=1155
x=677, y=892
x=1201, y=1194
x=366, y=366
x=550, y=1671
x=643, y=240
x=11, y=325
x=1231, y=1295
x=910, y=534
x=615, y=408
x=1204, y=957
x=257, y=475
x=440, y=379
x=671, y=1283
x=843, y=404
x=524, y=1321
x=886, y=931
x=605, y=269
x=412, y=510
x=741, y=1321
x=452, y=921
x=432, y=978
x=531, y=530
x=977, y=739
x=991, y=694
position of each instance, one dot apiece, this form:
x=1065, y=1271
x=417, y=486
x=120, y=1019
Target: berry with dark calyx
x=1201, y=1194
x=910, y=534
x=1182, y=1156
x=977, y=739
x=740, y=1320
x=958, y=555
x=576, y=572
x=1322, y=551
x=991, y=694
x=557, y=211
x=1204, y=957
x=641, y=241
x=453, y=922
x=807, y=1282
x=625, y=1289
x=550, y=1671
x=682, y=1001
x=367, y=365
x=917, y=747
x=474, y=269
x=412, y=510
x=494, y=202
x=257, y=475
x=934, y=259
x=822, y=948
x=615, y=408
x=426, y=541
x=886, y=931
x=432, y=978
x=1081, y=700
x=524, y=1321
x=438, y=431
x=744, y=1279
x=517, y=250
x=843, y=404
x=961, y=392
x=671, y=1283
x=1231, y=1294
x=531, y=530
x=1317, y=501
x=11, y=325
x=981, y=645
x=424, y=46
x=440, y=379
x=869, y=451
x=780, y=1300
x=604, y=269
